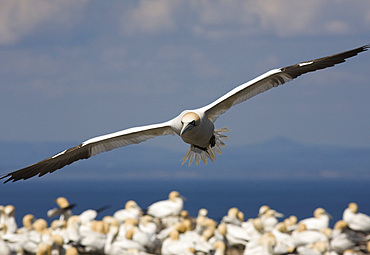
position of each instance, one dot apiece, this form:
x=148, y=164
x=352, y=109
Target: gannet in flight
x=195, y=127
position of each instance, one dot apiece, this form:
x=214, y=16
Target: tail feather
x=199, y=154
x=197, y=158
x=191, y=158
x=204, y=156
x=211, y=154
x=217, y=150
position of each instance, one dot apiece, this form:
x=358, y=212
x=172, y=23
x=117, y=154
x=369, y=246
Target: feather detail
x=210, y=153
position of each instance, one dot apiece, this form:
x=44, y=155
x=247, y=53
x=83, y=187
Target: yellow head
x=189, y=121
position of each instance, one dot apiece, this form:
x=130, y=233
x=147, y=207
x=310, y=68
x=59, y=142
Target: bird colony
x=166, y=228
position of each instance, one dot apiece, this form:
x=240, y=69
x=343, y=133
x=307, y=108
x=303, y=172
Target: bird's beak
x=331, y=217
x=279, y=215
x=185, y=128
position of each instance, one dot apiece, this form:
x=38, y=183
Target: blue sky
x=72, y=70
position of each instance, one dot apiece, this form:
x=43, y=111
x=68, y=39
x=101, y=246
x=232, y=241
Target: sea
x=290, y=197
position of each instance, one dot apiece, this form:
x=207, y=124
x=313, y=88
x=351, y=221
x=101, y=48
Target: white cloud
x=205, y=18
x=286, y=17
x=220, y=12
x=283, y=18
x=337, y=27
x=20, y=17
x=150, y=17
x=221, y=18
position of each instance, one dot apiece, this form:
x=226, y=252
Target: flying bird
x=195, y=127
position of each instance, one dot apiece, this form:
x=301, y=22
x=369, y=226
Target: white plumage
x=165, y=208
x=356, y=220
x=320, y=220
x=195, y=127
x=131, y=211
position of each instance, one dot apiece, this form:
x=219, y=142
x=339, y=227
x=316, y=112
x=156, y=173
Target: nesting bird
x=303, y=236
x=356, y=220
x=340, y=240
x=9, y=219
x=147, y=235
x=171, y=207
x=320, y=220
x=269, y=219
x=195, y=127
x=132, y=210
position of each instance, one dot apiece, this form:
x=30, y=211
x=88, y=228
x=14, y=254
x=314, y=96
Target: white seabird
x=165, y=208
x=340, y=239
x=320, y=220
x=356, y=220
x=10, y=222
x=195, y=127
x=132, y=211
x=269, y=219
x=64, y=210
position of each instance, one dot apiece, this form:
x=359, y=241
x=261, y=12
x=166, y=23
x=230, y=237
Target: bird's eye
x=193, y=122
x=182, y=122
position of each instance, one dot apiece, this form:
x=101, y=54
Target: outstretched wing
x=90, y=148
x=59, y=211
x=274, y=78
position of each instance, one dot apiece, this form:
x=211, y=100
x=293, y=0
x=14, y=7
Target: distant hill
x=277, y=158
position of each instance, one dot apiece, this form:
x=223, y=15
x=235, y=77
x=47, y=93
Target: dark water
x=286, y=196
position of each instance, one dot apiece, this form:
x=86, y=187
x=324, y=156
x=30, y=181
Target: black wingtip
x=70, y=207
x=18, y=175
x=99, y=210
x=7, y=180
x=49, y=165
x=362, y=49
x=365, y=47
x=11, y=178
x=321, y=63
